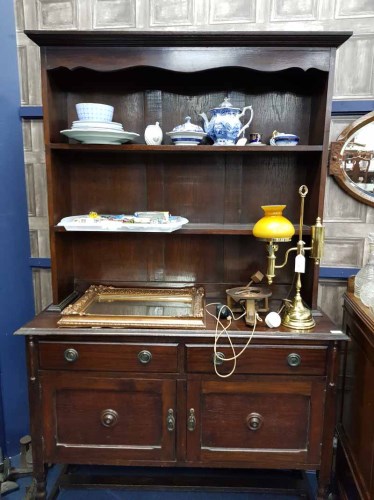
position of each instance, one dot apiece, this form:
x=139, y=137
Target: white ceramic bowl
x=186, y=138
x=284, y=140
x=94, y=112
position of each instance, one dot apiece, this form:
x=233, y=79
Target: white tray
x=71, y=224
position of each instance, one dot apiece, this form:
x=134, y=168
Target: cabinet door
x=92, y=419
x=260, y=421
x=358, y=405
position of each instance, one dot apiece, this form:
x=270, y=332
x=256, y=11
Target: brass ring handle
x=145, y=357
x=71, y=355
x=294, y=359
x=218, y=358
x=191, y=421
x=170, y=421
x=254, y=421
x=109, y=418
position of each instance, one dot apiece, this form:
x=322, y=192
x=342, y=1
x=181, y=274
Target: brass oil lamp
x=275, y=228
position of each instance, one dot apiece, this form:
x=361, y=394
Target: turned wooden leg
x=35, y=421
x=324, y=478
x=322, y=493
x=41, y=486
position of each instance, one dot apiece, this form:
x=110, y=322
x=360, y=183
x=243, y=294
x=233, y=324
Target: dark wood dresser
x=95, y=398
x=355, y=453
x=150, y=397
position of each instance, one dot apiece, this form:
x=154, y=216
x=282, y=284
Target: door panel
x=111, y=419
x=256, y=421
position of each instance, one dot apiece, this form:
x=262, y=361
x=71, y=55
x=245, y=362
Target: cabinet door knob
x=191, y=421
x=170, y=420
x=254, y=421
x=218, y=358
x=294, y=359
x=71, y=355
x=109, y=418
x=145, y=357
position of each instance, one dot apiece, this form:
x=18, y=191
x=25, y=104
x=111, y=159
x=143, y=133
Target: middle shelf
x=219, y=229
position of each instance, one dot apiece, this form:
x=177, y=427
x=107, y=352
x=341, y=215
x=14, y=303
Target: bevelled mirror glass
x=352, y=159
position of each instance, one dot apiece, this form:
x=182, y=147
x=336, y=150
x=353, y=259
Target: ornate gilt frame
x=76, y=315
x=336, y=157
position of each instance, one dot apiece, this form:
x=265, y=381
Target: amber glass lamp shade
x=273, y=226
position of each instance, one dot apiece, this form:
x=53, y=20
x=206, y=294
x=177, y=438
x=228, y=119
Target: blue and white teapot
x=225, y=126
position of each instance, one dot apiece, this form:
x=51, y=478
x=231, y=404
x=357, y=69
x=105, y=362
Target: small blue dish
x=280, y=139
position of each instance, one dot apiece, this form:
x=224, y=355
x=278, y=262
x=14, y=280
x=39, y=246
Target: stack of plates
x=94, y=132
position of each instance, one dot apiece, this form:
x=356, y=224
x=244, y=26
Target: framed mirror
x=110, y=307
x=352, y=159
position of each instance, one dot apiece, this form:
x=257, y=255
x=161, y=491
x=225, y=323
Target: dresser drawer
x=108, y=357
x=286, y=359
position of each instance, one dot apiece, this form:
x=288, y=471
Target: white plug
x=273, y=320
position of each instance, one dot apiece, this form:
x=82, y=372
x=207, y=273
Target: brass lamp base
x=297, y=315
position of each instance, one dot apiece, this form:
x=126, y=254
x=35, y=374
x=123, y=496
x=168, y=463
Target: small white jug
x=153, y=134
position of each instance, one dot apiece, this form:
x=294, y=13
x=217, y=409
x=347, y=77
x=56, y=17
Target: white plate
x=89, y=122
x=90, y=125
x=71, y=224
x=99, y=136
x=187, y=133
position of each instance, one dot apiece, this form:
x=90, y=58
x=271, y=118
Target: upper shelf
x=143, y=148
x=187, y=52
x=189, y=39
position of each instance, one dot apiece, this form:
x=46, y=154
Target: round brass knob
x=254, y=421
x=109, y=418
x=71, y=355
x=145, y=357
x=218, y=358
x=294, y=359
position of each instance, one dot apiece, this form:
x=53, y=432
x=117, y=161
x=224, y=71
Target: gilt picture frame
x=110, y=307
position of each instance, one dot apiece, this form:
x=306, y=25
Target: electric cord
x=224, y=331
x=288, y=294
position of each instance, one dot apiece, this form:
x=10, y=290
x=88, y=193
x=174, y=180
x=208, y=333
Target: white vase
x=153, y=134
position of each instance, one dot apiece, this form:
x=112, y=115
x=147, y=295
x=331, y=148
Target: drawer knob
x=71, y=355
x=294, y=359
x=170, y=420
x=109, y=418
x=144, y=357
x=218, y=358
x=254, y=421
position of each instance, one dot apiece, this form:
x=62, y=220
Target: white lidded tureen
x=187, y=134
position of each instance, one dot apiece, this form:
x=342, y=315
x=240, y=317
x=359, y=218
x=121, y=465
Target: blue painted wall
x=2, y=428
x=16, y=293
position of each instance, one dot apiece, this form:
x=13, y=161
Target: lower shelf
x=296, y=483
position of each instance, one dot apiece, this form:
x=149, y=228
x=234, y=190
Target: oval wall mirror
x=352, y=159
